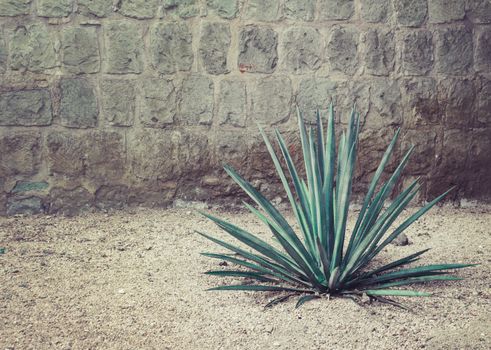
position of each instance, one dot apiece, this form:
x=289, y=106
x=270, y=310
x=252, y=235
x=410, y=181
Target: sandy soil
x=134, y=280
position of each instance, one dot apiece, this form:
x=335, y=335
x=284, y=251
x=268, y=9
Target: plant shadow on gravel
x=325, y=261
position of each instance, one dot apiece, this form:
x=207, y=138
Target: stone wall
x=107, y=103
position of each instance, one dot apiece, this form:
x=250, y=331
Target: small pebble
x=121, y=291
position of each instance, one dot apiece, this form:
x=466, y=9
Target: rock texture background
x=110, y=103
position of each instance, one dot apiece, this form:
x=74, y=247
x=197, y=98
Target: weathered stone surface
x=342, y=50
x=226, y=9
x=263, y=10
x=118, y=101
x=30, y=186
x=444, y=11
x=302, y=50
x=168, y=155
x=158, y=104
x=380, y=51
x=258, y=49
x=482, y=60
x=479, y=11
x=455, y=151
x=300, y=9
x=271, y=100
x=111, y=197
x=375, y=11
x=153, y=154
x=95, y=155
x=69, y=202
x=124, y=47
x=98, y=8
x=336, y=9
x=423, y=157
x=196, y=105
x=479, y=166
x=317, y=94
x=417, y=52
x=454, y=50
x=411, y=13
x=214, y=47
x=78, y=106
x=138, y=8
x=54, y=8
x=483, y=102
x=32, y=48
x=27, y=108
x=81, y=50
x=170, y=47
x=232, y=103
x=3, y=53
x=14, y=7
x=385, y=101
x=24, y=206
x=456, y=97
x=21, y=153
x=183, y=8
x=420, y=102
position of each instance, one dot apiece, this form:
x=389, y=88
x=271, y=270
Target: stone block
x=81, y=50
x=111, y=197
x=118, y=101
x=32, y=48
x=258, y=49
x=445, y=11
x=303, y=10
x=454, y=50
x=342, y=50
x=21, y=153
x=139, y=9
x=25, y=108
x=483, y=102
x=232, y=103
x=263, y=10
x=29, y=186
x=272, y=100
x=420, y=102
x=69, y=202
x=24, y=206
x=456, y=97
x=336, y=9
x=479, y=11
x=10, y=8
x=302, y=50
x=380, y=51
x=224, y=8
x=153, y=154
x=423, y=157
x=214, y=47
x=417, y=52
x=375, y=11
x=54, y=8
x=78, y=105
x=411, y=13
x=479, y=166
x=3, y=53
x=455, y=151
x=171, y=47
x=385, y=104
x=124, y=47
x=317, y=94
x=95, y=155
x=482, y=58
x=183, y=8
x=158, y=103
x=97, y=8
x=197, y=99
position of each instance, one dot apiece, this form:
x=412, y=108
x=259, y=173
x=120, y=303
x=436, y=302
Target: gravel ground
x=134, y=280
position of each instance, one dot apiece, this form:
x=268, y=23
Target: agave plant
x=325, y=260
